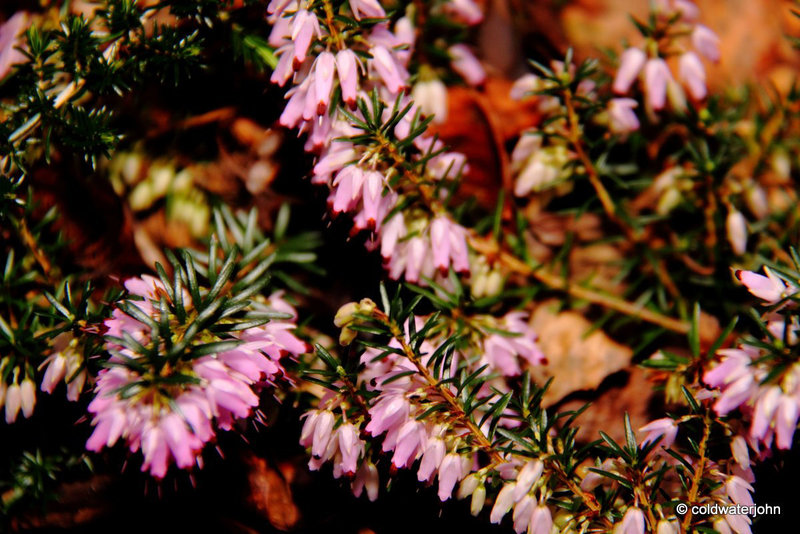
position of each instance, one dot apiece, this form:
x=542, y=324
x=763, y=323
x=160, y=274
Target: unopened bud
x=478, y=499
x=736, y=227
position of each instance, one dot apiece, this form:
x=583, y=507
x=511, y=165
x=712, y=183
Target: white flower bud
x=478, y=499
x=13, y=402
x=736, y=227
x=28, y=397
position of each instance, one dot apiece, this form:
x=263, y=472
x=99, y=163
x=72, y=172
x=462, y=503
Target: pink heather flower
x=769, y=288
x=56, y=370
x=278, y=6
x=371, y=195
x=450, y=472
x=630, y=65
x=391, y=233
x=738, y=490
x=523, y=510
x=466, y=64
x=348, y=183
x=27, y=391
x=740, y=451
x=736, y=228
x=668, y=527
x=350, y=446
x=304, y=27
x=765, y=408
x=390, y=411
x=632, y=522
x=503, y=502
x=622, y=118
x=466, y=10
x=541, y=520
x=323, y=78
x=281, y=32
x=366, y=477
x=449, y=243
x=10, y=32
x=347, y=65
x=527, y=477
x=405, y=36
x=431, y=97
x=340, y=155
x=173, y=423
x=785, y=421
x=503, y=352
x=524, y=86
x=706, y=42
x=295, y=107
x=367, y=8
x=693, y=74
x=393, y=74
x=656, y=77
x=431, y=458
x=322, y=432
x=664, y=428
x=408, y=443
x=13, y=402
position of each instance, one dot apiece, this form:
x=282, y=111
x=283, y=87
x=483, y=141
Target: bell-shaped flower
x=466, y=64
x=630, y=65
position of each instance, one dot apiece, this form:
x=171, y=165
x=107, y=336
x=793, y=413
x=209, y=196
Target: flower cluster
x=404, y=407
x=325, y=67
x=649, y=62
x=168, y=408
x=67, y=364
x=745, y=378
x=20, y=395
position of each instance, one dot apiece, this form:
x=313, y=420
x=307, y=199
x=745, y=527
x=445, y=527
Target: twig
x=555, y=281
x=698, y=475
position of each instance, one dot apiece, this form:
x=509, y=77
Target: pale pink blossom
x=366, y=477
x=523, y=510
x=622, y=118
x=504, y=353
x=10, y=33
x=632, y=522
x=656, y=77
x=541, y=520
x=503, y=502
x=27, y=391
x=450, y=472
x=393, y=74
x=305, y=27
x=706, y=42
x=449, y=244
x=693, y=74
x=347, y=67
x=527, y=477
x=466, y=64
x=323, y=78
x=351, y=447
x=367, y=8
x=738, y=490
x=13, y=402
x=431, y=97
x=665, y=428
x=630, y=65
x=466, y=10
x=769, y=288
x=431, y=458
x=736, y=229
